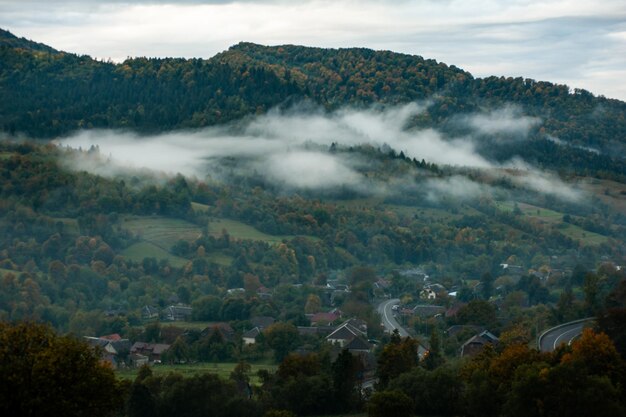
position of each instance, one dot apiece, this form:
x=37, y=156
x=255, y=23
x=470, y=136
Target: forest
x=97, y=253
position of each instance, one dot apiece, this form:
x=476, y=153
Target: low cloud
x=508, y=120
x=457, y=187
x=567, y=144
x=290, y=150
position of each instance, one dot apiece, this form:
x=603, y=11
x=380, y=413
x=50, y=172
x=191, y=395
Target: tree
x=397, y=357
x=434, y=358
x=612, y=320
x=478, y=312
x=44, y=374
x=283, y=338
x=390, y=403
x=591, y=289
x=487, y=285
x=346, y=372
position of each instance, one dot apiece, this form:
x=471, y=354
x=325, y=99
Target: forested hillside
x=54, y=93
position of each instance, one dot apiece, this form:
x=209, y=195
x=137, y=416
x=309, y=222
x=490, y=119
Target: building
x=177, y=312
x=249, y=337
x=153, y=351
x=477, y=342
x=344, y=334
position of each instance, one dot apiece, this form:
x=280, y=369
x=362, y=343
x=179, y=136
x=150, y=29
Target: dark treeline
x=43, y=375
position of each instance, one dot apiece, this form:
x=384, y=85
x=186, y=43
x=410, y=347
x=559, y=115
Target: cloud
x=457, y=187
x=290, y=150
x=528, y=177
x=507, y=121
x=309, y=170
x=580, y=43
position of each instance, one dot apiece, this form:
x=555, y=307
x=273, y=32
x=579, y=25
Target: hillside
x=47, y=93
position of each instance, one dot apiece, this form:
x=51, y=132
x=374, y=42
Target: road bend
x=563, y=334
x=388, y=319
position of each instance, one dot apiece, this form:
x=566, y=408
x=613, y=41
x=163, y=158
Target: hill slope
x=46, y=93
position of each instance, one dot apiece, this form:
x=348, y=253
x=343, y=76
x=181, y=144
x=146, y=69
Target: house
x=177, y=312
x=477, y=342
x=359, y=324
x=249, y=337
x=428, y=294
x=149, y=313
x=315, y=330
x=153, y=351
x=421, y=351
x=223, y=328
x=325, y=319
x=112, y=348
x=439, y=289
x=344, y=334
x=138, y=360
x=358, y=345
x=264, y=293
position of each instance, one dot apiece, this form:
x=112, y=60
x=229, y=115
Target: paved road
x=389, y=321
x=564, y=333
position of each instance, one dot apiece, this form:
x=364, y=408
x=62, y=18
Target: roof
x=252, y=333
x=155, y=348
x=314, y=330
x=345, y=332
x=324, y=317
x=358, y=343
x=179, y=309
x=96, y=341
x=483, y=338
x=112, y=337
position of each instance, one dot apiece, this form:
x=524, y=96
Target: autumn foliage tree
x=44, y=374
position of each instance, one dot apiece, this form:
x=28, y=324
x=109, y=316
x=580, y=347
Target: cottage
x=344, y=334
x=149, y=313
x=325, y=319
x=428, y=294
x=358, y=345
x=153, y=351
x=112, y=348
x=223, y=328
x=249, y=337
x=476, y=343
x=178, y=312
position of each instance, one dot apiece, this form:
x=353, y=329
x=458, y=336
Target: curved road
x=388, y=319
x=565, y=333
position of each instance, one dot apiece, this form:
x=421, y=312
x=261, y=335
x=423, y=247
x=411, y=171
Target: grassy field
x=239, y=230
x=199, y=208
x=141, y=250
x=555, y=218
x=219, y=258
x=221, y=369
x=162, y=231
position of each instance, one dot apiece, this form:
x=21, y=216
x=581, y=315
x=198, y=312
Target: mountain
x=47, y=93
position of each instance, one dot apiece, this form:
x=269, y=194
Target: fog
x=290, y=149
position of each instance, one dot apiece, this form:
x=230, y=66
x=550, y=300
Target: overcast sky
x=581, y=43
